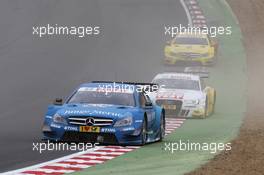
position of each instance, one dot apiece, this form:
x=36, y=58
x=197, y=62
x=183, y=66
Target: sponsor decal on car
x=93, y=129
x=128, y=129
x=138, y=121
x=108, y=130
x=169, y=95
x=53, y=125
x=169, y=107
x=70, y=128
x=91, y=112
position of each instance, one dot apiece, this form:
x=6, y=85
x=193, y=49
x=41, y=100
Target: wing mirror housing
x=148, y=104
x=58, y=101
x=207, y=88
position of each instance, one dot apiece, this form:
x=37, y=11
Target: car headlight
x=192, y=102
x=124, y=122
x=59, y=119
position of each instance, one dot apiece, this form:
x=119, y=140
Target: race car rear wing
x=147, y=87
x=202, y=72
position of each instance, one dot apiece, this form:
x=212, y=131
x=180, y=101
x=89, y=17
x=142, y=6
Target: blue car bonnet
x=95, y=110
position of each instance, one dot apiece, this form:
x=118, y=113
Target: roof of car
x=96, y=84
x=180, y=76
x=107, y=87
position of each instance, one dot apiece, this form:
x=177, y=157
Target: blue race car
x=108, y=113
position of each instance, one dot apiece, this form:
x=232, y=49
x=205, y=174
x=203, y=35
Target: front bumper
x=169, y=59
x=181, y=110
x=198, y=113
x=129, y=135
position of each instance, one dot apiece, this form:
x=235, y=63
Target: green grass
x=229, y=79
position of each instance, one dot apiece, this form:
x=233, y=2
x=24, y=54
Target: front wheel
x=144, y=133
x=214, y=101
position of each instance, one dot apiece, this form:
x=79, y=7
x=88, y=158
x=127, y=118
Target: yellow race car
x=186, y=47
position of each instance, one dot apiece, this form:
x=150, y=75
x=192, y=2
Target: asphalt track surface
x=34, y=71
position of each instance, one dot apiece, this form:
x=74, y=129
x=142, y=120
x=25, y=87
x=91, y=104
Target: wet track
x=34, y=71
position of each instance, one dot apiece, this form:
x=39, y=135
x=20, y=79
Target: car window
x=143, y=100
x=191, y=41
x=147, y=98
x=97, y=97
x=178, y=84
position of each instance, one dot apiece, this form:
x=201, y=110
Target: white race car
x=184, y=95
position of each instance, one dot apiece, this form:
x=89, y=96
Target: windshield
x=97, y=97
x=178, y=84
x=190, y=41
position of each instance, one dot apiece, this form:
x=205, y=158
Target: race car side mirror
x=206, y=88
x=58, y=101
x=148, y=104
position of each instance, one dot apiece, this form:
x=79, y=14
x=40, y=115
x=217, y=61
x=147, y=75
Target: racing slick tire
x=211, y=101
x=143, y=134
x=162, y=127
x=214, y=101
x=210, y=104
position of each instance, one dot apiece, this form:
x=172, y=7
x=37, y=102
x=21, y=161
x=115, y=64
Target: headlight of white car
x=126, y=121
x=59, y=119
x=191, y=102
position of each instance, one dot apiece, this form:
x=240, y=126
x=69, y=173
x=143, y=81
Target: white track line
x=187, y=12
x=15, y=172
